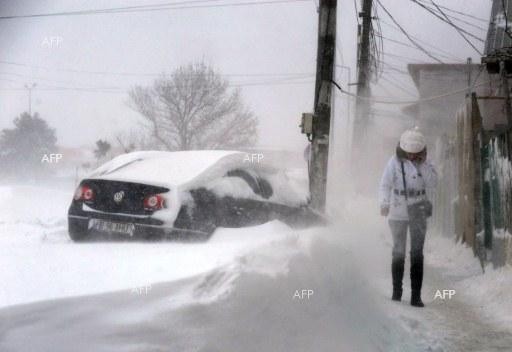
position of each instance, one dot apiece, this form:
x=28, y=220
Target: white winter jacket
x=421, y=179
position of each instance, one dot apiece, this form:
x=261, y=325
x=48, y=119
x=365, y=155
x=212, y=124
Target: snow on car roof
x=168, y=169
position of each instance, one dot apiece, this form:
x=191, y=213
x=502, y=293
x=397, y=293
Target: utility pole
x=30, y=87
x=322, y=105
x=469, y=61
x=363, y=76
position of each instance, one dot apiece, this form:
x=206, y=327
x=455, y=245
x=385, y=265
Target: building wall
x=437, y=117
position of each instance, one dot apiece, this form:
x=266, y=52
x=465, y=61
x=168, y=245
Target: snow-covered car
x=187, y=194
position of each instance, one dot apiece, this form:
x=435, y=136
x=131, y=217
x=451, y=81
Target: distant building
x=437, y=116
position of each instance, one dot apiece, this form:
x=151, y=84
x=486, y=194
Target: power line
x=357, y=12
x=447, y=21
x=459, y=12
x=123, y=90
x=378, y=42
x=506, y=19
x=405, y=102
x=407, y=34
x=455, y=18
x=395, y=69
x=399, y=87
x=411, y=46
x=456, y=28
x=402, y=58
x=37, y=78
x=396, y=72
x=148, y=74
x=440, y=52
x=150, y=8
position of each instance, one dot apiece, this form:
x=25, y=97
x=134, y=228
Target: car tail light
x=84, y=193
x=154, y=202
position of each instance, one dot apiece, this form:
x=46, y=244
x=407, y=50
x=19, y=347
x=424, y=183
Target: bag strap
x=403, y=179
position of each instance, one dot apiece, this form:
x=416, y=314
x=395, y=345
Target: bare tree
x=194, y=108
x=136, y=139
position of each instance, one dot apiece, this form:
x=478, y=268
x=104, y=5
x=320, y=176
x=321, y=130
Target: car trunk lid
x=121, y=197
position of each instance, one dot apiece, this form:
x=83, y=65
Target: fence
x=476, y=187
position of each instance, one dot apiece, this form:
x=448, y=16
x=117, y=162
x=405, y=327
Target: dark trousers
x=417, y=230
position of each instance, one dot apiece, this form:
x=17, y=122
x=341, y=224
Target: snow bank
x=249, y=304
x=42, y=263
x=34, y=205
x=489, y=293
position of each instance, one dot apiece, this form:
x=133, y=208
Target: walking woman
x=403, y=199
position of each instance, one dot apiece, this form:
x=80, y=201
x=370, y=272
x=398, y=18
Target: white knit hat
x=412, y=141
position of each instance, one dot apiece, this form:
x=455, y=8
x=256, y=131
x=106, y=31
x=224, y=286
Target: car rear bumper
x=144, y=226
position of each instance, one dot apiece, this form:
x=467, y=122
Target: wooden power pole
x=322, y=106
x=363, y=77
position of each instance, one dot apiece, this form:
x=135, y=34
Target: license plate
x=107, y=226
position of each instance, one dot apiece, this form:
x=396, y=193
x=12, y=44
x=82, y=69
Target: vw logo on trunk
x=118, y=196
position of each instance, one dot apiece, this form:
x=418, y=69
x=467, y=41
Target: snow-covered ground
x=237, y=292
x=42, y=263
x=489, y=292
x=476, y=318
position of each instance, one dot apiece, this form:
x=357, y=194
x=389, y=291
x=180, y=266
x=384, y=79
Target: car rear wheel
x=77, y=231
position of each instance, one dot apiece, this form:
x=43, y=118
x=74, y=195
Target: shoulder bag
x=417, y=211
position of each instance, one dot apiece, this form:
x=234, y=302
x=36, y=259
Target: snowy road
x=236, y=292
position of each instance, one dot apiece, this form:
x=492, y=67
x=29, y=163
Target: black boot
x=416, y=299
x=397, y=294
x=397, y=271
x=416, y=279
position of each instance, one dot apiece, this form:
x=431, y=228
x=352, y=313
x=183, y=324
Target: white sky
x=244, y=40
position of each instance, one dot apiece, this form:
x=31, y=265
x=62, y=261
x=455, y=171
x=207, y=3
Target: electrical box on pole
x=319, y=123
x=306, y=124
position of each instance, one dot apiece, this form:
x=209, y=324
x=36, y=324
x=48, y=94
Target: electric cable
x=149, y=8
x=448, y=22
x=457, y=29
x=147, y=74
x=441, y=52
x=405, y=102
x=455, y=18
x=507, y=31
x=414, y=47
x=407, y=34
x=123, y=90
x=459, y=12
x=357, y=12
x=398, y=86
